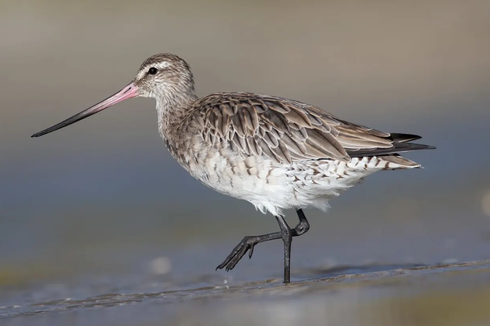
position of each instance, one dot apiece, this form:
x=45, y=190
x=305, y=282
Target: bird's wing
x=287, y=130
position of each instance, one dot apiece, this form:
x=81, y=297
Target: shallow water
x=444, y=294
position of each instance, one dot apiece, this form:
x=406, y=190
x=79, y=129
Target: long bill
x=127, y=92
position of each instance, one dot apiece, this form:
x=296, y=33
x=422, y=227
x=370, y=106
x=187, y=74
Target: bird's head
x=164, y=77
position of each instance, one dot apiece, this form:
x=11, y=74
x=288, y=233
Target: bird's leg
x=248, y=243
x=287, y=238
x=303, y=225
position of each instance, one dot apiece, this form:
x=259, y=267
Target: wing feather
x=287, y=131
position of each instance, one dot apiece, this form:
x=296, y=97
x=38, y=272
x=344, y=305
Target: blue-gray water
x=101, y=209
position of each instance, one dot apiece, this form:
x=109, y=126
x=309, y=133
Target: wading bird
x=274, y=152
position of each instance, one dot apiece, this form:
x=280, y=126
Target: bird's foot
x=247, y=244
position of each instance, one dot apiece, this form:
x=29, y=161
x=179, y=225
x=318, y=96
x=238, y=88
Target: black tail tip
x=403, y=138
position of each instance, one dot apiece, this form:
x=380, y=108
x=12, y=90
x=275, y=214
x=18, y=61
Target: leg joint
x=302, y=227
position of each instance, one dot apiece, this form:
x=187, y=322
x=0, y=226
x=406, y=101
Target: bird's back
x=288, y=131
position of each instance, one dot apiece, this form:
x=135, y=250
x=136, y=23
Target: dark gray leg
x=287, y=238
x=248, y=243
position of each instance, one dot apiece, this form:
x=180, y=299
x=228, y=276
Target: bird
x=273, y=152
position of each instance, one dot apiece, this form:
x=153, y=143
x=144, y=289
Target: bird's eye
x=153, y=71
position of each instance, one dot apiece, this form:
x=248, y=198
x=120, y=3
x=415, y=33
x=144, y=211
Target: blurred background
x=102, y=207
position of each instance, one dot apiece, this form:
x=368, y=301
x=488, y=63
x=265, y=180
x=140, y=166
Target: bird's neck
x=172, y=110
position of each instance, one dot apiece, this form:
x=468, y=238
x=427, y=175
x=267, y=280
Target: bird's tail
x=395, y=162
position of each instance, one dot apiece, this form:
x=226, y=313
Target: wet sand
x=442, y=294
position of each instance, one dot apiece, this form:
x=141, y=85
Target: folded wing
x=288, y=131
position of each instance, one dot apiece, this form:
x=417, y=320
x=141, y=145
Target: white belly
x=274, y=187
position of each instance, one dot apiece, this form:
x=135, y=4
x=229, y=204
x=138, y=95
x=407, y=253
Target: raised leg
x=248, y=243
x=303, y=225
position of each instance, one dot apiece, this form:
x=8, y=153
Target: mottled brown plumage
x=274, y=152
x=286, y=130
